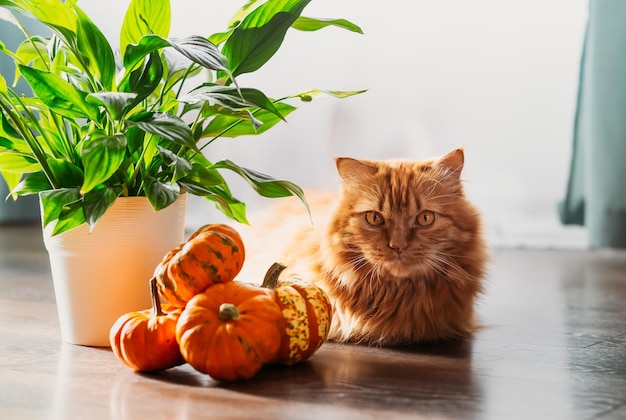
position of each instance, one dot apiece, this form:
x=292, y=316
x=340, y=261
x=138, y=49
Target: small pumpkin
x=213, y=254
x=146, y=340
x=230, y=330
x=307, y=312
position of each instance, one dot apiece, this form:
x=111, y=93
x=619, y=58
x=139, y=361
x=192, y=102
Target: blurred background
x=498, y=77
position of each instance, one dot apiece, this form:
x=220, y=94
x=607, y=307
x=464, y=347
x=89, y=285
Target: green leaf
x=341, y=94
x=166, y=126
x=16, y=145
x=32, y=184
x=220, y=37
x=97, y=202
x=136, y=52
x=114, y=102
x=65, y=173
x=53, y=201
x=12, y=180
x=49, y=12
x=145, y=79
x=181, y=166
x=78, y=78
x=227, y=204
x=71, y=216
x=58, y=94
x=102, y=156
x=313, y=24
x=58, y=16
x=94, y=45
x=264, y=185
x=150, y=151
x=257, y=38
x=178, y=69
x=209, y=112
x=31, y=51
x=231, y=98
x=201, y=51
x=3, y=85
x=201, y=179
x=6, y=127
x=134, y=139
x=243, y=12
x=7, y=16
x=197, y=49
x=160, y=194
x=233, y=126
x=17, y=163
x=61, y=19
x=145, y=17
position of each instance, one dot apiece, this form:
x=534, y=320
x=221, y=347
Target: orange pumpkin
x=307, y=312
x=230, y=330
x=146, y=340
x=213, y=254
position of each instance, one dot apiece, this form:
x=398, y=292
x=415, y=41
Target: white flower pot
x=101, y=275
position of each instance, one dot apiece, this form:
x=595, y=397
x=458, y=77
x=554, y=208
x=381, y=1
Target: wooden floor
x=554, y=347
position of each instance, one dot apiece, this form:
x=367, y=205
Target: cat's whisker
x=439, y=253
x=434, y=185
x=358, y=263
x=448, y=173
x=440, y=196
x=374, y=276
x=449, y=270
x=371, y=193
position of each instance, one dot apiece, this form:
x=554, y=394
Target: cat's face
x=404, y=218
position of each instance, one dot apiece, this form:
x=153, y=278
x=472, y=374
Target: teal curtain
x=596, y=191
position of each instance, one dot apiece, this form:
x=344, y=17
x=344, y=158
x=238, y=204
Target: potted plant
x=103, y=129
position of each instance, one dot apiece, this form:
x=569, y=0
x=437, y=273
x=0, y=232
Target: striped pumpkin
x=213, y=254
x=307, y=312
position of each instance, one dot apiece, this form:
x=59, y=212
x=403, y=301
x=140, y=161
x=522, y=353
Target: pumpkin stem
x=154, y=294
x=228, y=312
x=270, y=280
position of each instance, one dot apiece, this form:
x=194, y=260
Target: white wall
x=496, y=76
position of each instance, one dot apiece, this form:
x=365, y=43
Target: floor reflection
x=594, y=291
x=424, y=379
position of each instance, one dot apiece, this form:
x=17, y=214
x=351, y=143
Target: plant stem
x=183, y=79
x=64, y=135
x=30, y=39
x=236, y=123
x=228, y=312
x=156, y=301
x=137, y=168
x=31, y=141
x=35, y=121
x=270, y=280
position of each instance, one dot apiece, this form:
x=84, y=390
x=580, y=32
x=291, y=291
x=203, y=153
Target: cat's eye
x=425, y=218
x=374, y=218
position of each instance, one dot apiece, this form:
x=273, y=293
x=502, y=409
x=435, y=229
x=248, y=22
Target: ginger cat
x=399, y=250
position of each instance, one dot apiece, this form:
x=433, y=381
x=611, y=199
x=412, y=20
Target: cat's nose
x=397, y=246
x=398, y=239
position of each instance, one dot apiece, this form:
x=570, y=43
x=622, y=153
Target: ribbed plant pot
x=103, y=274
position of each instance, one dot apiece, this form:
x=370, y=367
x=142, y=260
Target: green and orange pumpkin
x=213, y=254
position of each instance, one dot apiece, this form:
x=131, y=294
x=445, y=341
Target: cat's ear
x=354, y=169
x=453, y=161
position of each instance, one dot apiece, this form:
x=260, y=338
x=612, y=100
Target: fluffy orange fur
x=399, y=250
